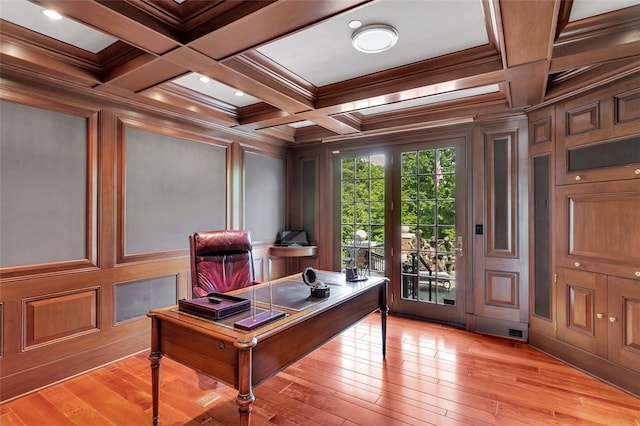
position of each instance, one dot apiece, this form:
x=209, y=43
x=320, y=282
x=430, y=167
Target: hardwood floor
x=432, y=375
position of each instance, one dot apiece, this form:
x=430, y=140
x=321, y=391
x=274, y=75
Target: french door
x=429, y=222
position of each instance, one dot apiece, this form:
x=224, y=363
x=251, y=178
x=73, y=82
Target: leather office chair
x=221, y=261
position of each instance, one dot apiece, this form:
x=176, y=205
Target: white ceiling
x=322, y=54
x=29, y=15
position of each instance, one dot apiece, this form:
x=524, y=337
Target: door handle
x=458, y=248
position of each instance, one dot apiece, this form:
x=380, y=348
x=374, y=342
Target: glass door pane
x=428, y=225
x=362, y=203
x=429, y=264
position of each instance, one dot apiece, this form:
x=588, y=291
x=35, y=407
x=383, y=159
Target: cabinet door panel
x=624, y=322
x=598, y=224
x=582, y=310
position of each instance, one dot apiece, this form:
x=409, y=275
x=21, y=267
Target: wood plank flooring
x=432, y=375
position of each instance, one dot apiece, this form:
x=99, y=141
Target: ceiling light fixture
x=374, y=38
x=355, y=24
x=51, y=14
x=238, y=93
x=205, y=79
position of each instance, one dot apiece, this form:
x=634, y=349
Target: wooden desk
x=244, y=359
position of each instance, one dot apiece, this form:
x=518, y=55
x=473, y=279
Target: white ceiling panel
x=323, y=54
x=29, y=15
x=585, y=8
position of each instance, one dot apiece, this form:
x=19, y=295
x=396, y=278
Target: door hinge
x=555, y=278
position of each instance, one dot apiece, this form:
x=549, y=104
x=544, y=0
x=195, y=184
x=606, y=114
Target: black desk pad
x=289, y=294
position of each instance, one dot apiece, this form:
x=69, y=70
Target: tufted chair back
x=221, y=261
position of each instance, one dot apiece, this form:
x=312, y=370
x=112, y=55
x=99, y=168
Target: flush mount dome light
x=374, y=38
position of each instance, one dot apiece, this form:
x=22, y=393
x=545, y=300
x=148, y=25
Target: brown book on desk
x=222, y=306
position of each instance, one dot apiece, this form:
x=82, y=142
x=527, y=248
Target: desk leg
x=384, y=311
x=155, y=356
x=245, y=396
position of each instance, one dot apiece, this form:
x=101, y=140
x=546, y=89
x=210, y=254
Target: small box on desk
x=225, y=306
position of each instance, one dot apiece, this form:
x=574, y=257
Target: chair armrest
x=199, y=291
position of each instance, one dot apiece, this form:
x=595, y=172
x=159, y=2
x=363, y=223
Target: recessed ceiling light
x=51, y=14
x=238, y=93
x=374, y=38
x=204, y=79
x=355, y=24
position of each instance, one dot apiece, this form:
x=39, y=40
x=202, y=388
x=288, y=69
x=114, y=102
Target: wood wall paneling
x=595, y=192
x=624, y=322
x=501, y=194
x=582, y=305
x=541, y=130
x=627, y=106
x=502, y=289
x=1, y=330
x=52, y=318
x=603, y=116
x=598, y=229
x=585, y=118
x=500, y=268
x=615, y=240
x=87, y=330
x=542, y=134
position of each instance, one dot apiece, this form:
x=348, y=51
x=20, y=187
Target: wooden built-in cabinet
x=600, y=314
x=585, y=174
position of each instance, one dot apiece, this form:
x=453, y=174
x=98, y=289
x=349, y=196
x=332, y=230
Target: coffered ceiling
x=302, y=80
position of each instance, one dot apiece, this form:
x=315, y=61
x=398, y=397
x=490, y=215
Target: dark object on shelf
x=202, y=307
x=320, y=292
x=352, y=274
x=318, y=288
x=292, y=238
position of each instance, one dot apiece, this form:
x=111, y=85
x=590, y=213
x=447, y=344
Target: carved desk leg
x=245, y=396
x=155, y=356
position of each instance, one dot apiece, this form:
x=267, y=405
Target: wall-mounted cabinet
x=584, y=157
x=599, y=227
x=598, y=136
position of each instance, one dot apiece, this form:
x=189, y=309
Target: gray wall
x=264, y=196
x=174, y=187
x=43, y=186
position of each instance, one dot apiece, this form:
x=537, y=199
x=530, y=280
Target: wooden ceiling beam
x=121, y=21
x=266, y=24
x=592, y=77
x=35, y=60
x=596, y=50
x=528, y=29
x=330, y=123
